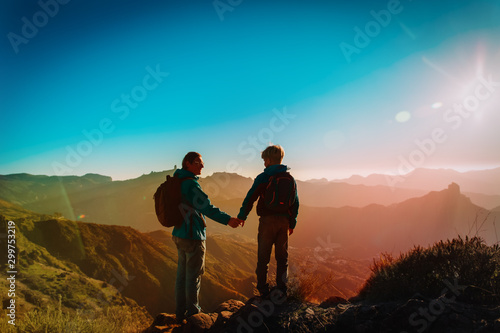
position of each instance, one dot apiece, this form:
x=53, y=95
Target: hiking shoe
x=180, y=319
x=264, y=292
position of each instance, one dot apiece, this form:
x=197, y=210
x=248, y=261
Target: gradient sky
x=77, y=94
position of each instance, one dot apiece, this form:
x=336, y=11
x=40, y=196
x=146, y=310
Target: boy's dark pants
x=273, y=229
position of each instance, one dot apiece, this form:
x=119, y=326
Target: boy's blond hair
x=274, y=153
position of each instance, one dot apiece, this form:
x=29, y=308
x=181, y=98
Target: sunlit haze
x=123, y=88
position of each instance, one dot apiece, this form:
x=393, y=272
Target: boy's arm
x=294, y=210
x=252, y=195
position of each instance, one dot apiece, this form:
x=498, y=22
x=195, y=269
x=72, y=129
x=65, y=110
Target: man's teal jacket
x=195, y=204
x=258, y=186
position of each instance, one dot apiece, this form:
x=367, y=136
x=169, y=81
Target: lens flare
x=81, y=216
x=437, y=105
x=403, y=116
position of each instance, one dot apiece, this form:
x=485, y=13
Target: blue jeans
x=190, y=268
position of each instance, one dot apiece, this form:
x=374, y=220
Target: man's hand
x=290, y=231
x=234, y=222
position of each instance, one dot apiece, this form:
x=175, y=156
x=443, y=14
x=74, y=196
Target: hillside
x=93, y=267
x=142, y=268
x=138, y=263
x=451, y=286
x=47, y=286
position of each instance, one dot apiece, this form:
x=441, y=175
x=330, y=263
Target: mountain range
x=370, y=216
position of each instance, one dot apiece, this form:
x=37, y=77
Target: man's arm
x=200, y=201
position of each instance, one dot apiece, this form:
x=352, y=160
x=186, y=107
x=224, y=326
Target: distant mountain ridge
x=417, y=221
x=392, y=217
x=480, y=181
x=99, y=199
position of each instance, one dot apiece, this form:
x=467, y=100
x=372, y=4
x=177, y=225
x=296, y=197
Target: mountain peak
x=454, y=188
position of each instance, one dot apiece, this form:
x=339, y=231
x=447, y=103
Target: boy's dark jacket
x=258, y=187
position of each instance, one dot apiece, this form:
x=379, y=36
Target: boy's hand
x=234, y=222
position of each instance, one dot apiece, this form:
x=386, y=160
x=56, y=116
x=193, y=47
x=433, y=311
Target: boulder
x=200, y=322
x=333, y=301
x=232, y=306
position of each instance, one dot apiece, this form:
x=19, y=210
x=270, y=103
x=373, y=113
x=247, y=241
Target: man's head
x=273, y=155
x=193, y=162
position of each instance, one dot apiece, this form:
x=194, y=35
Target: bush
x=309, y=286
x=113, y=319
x=469, y=263
x=33, y=297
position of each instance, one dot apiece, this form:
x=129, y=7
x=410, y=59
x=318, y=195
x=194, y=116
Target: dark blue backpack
x=279, y=194
x=168, y=202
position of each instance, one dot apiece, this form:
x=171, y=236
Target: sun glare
x=403, y=116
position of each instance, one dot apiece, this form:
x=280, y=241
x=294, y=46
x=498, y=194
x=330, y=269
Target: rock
x=222, y=319
x=333, y=301
x=164, y=319
x=361, y=328
x=496, y=326
x=232, y=306
x=200, y=322
x=164, y=322
x=247, y=318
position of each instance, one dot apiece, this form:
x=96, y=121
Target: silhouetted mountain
x=320, y=180
x=88, y=198
x=333, y=194
x=369, y=230
x=481, y=181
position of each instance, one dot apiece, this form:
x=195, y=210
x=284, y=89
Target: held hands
x=235, y=222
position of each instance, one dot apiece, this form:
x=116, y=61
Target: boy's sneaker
x=180, y=318
x=264, y=292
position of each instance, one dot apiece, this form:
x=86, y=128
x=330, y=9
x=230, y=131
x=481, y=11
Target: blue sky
x=123, y=88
